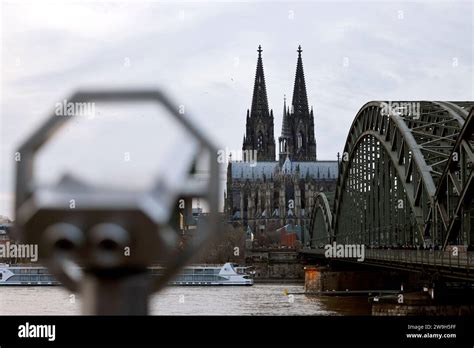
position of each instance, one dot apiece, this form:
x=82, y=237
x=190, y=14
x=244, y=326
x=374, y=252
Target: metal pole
x=115, y=296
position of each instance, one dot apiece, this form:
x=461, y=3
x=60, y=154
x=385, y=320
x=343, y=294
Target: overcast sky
x=204, y=55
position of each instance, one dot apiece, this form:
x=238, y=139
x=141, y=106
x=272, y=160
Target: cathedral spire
x=301, y=143
x=285, y=139
x=300, y=98
x=285, y=126
x=259, y=125
x=259, y=99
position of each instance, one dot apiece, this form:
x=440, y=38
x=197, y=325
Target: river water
x=259, y=299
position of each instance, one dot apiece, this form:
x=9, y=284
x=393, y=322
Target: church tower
x=286, y=138
x=259, y=127
x=297, y=140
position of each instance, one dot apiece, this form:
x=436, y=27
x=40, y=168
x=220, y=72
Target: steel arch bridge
x=405, y=178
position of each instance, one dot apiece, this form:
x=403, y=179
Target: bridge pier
x=323, y=278
x=392, y=292
x=423, y=303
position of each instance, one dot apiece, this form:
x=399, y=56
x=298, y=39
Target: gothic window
x=300, y=140
x=260, y=141
x=276, y=199
x=303, y=195
x=290, y=195
x=246, y=205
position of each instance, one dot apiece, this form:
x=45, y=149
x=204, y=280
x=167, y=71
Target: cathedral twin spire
x=259, y=129
x=300, y=98
x=259, y=99
x=297, y=138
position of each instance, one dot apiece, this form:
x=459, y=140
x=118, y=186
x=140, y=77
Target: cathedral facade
x=269, y=193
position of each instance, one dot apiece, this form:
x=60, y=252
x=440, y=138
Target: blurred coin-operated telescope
x=103, y=247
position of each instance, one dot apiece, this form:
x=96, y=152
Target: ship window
x=1, y=275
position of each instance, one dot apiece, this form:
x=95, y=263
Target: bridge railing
x=463, y=259
x=429, y=257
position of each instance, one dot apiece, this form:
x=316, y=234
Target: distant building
x=3, y=235
x=289, y=234
x=197, y=212
x=4, y=220
x=267, y=194
x=4, y=229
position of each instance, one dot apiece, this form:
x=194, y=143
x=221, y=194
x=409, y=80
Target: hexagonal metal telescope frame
x=83, y=247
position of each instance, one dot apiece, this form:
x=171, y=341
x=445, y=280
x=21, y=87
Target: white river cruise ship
x=228, y=274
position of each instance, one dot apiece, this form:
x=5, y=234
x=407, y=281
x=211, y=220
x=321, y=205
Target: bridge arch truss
x=406, y=177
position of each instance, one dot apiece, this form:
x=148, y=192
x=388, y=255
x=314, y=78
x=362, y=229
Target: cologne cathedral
x=272, y=193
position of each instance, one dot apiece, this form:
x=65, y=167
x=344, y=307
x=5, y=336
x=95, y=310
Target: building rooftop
x=317, y=170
